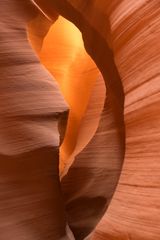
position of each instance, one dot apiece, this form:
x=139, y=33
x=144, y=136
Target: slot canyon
x=80, y=120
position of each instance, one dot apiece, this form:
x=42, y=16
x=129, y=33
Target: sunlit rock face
x=64, y=56
x=99, y=60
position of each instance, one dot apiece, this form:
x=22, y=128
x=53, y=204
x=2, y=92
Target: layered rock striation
x=109, y=156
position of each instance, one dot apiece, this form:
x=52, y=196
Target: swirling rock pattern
x=122, y=37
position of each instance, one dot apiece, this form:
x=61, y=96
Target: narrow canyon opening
x=61, y=50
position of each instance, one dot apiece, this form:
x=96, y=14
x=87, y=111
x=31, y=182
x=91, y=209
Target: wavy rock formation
x=97, y=197
x=31, y=105
x=134, y=212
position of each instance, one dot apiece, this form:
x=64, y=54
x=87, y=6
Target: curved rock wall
x=30, y=105
x=122, y=37
x=134, y=212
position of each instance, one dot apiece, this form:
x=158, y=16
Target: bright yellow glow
x=63, y=54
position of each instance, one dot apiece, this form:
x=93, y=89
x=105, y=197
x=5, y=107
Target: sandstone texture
x=80, y=120
x=31, y=105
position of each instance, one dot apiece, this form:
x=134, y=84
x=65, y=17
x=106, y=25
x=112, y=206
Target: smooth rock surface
x=31, y=205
